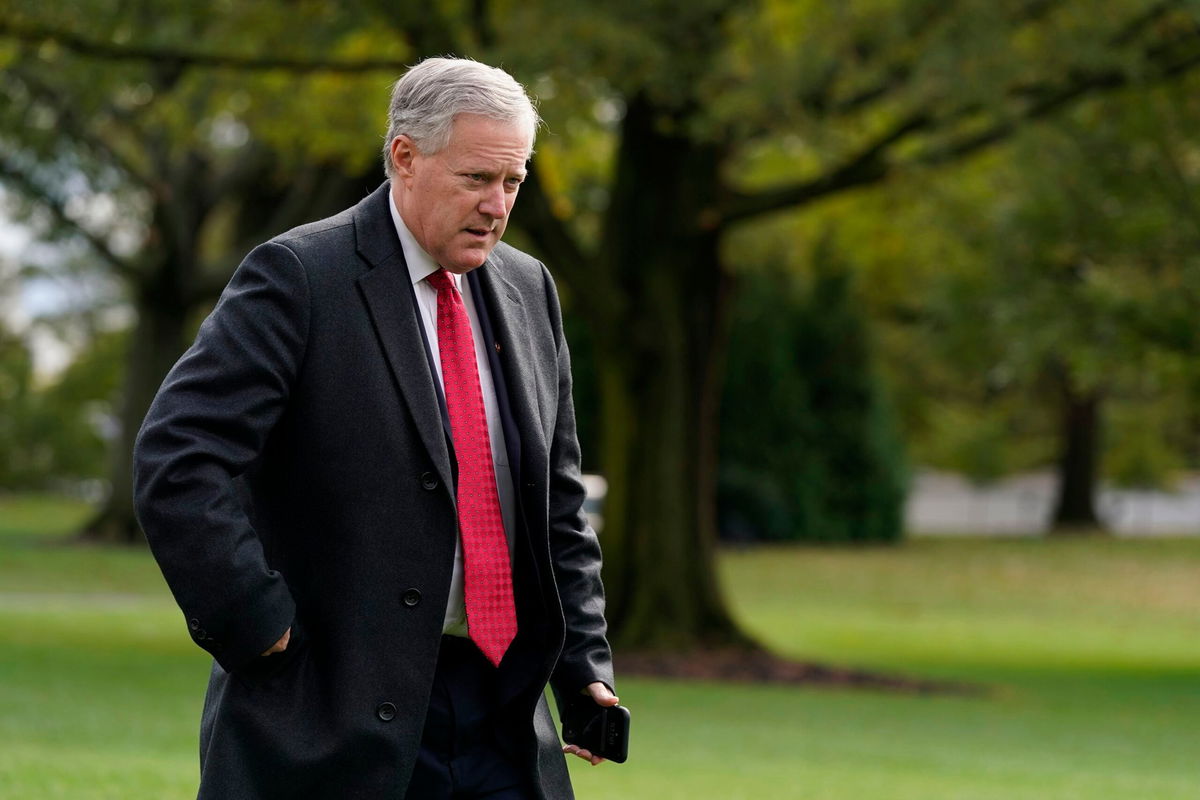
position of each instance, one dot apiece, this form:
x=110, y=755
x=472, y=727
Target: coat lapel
x=511, y=328
x=387, y=290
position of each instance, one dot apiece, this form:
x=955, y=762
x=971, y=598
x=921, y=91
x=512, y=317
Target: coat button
x=411, y=598
x=201, y=634
x=386, y=711
x=194, y=624
x=429, y=481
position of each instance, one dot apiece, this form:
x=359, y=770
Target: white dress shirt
x=421, y=266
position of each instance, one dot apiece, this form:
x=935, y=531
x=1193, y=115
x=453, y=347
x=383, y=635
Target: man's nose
x=493, y=202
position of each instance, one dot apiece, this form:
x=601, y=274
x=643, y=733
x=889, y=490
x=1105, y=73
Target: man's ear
x=403, y=152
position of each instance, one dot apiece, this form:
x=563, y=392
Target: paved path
x=942, y=504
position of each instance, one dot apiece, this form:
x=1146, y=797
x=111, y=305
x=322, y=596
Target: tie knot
x=441, y=280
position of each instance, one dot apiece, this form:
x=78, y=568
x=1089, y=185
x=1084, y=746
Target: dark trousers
x=460, y=756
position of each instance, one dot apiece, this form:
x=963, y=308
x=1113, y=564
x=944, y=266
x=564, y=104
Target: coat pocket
x=266, y=668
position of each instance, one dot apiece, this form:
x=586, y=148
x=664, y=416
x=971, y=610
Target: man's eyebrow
x=490, y=172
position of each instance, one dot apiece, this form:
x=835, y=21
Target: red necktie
x=487, y=575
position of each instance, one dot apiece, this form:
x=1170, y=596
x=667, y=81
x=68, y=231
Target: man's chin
x=466, y=261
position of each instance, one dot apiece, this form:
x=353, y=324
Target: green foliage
x=1071, y=252
x=1084, y=240
x=808, y=446
x=1143, y=447
x=973, y=443
x=56, y=435
x=19, y=450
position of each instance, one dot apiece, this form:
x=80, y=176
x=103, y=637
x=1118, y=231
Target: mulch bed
x=760, y=666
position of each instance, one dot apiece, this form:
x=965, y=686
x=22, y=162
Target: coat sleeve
x=574, y=547
x=207, y=425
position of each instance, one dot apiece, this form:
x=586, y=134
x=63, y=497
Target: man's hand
x=603, y=697
x=282, y=644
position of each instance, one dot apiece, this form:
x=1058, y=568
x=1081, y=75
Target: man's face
x=456, y=202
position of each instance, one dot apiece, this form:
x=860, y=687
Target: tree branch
x=57, y=208
x=174, y=58
x=81, y=131
x=870, y=165
x=896, y=74
x=1141, y=22
x=865, y=167
x=1053, y=101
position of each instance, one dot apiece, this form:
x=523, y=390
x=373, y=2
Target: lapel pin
x=497, y=344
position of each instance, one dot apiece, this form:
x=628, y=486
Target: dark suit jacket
x=293, y=470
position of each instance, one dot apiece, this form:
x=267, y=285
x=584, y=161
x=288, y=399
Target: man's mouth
x=480, y=232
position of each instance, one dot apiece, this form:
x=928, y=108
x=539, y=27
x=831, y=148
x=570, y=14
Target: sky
x=22, y=301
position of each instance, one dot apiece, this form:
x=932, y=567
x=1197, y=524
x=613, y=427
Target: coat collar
x=511, y=327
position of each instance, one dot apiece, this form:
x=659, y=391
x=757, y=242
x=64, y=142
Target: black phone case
x=604, y=731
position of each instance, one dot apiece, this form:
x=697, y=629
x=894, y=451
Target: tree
x=686, y=102
x=169, y=176
x=707, y=92
x=1067, y=269
x=1098, y=235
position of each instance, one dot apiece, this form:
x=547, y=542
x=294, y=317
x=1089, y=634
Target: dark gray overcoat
x=294, y=470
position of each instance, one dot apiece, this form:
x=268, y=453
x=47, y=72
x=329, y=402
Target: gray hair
x=431, y=94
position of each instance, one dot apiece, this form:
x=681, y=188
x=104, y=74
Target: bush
x=55, y=435
x=808, y=449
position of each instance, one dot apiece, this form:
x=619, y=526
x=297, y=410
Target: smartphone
x=601, y=730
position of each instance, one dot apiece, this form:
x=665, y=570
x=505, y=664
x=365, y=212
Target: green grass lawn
x=1090, y=649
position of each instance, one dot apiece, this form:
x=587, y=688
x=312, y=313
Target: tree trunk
x=1078, y=466
x=659, y=361
x=660, y=532
x=157, y=341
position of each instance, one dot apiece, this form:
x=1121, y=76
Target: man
x=362, y=485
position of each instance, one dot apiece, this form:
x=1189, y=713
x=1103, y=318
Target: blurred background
x=882, y=316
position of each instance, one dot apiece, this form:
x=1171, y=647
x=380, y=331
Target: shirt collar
x=420, y=264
